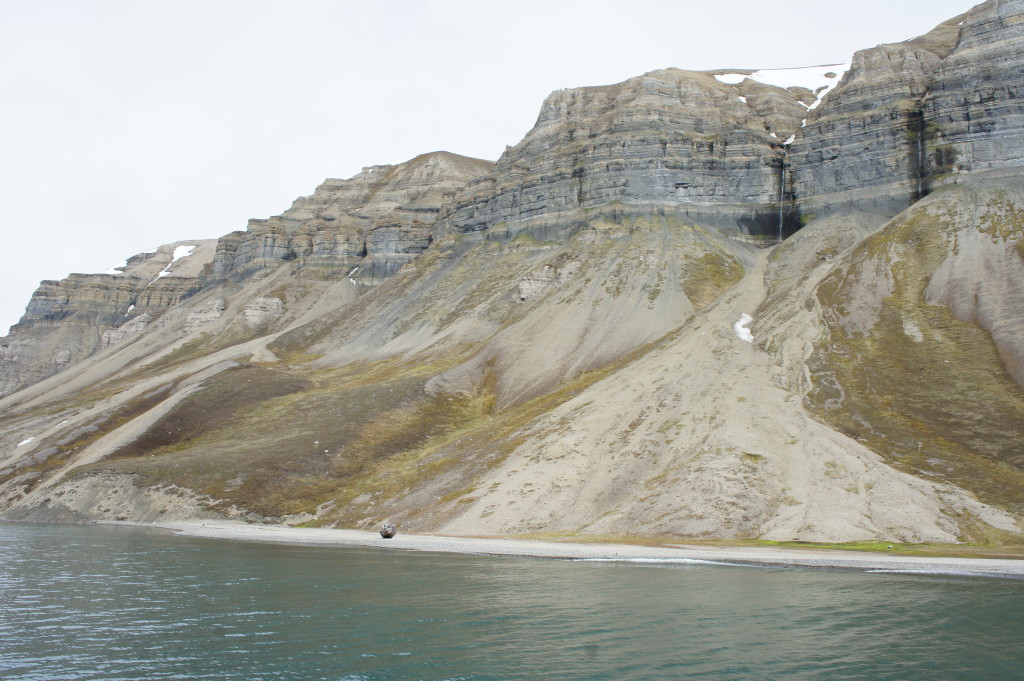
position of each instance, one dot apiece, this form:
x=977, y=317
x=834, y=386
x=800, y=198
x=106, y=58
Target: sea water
x=111, y=603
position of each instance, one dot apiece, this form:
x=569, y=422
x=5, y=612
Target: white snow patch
x=740, y=327
x=774, y=135
x=912, y=331
x=179, y=253
x=25, y=442
x=789, y=140
x=130, y=308
x=814, y=78
x=354, y=270
x=730, y=78
x=742, y=99
x=116, y=269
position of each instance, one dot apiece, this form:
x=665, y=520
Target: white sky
x=126, y=124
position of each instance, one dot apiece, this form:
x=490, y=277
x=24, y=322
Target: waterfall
x=782, y=191
x=920, y=156
x=918, y=160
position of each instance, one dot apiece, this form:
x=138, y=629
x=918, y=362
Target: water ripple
x=134, y=605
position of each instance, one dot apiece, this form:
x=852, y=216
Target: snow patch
x=25, y=442
x=179, y=253
x=130, y=308
x=817, y=79
x=116, y=269
x=912, y=331
x=730, y=78
x=740, y=327
x=742, y=99
x=789, y=140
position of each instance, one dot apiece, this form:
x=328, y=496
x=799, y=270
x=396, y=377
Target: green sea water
x=112, y=603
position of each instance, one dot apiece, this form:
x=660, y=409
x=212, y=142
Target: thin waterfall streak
x=920, y=158
x=782, y=190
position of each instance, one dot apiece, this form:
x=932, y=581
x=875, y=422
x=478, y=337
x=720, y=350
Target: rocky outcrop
x=68, y=320
x=377, y=221
x=261, y=311
x=204, y=314
x=860, y=149
x=114, y=336
x=681, y=141
x=909, y=117
x=973, y=114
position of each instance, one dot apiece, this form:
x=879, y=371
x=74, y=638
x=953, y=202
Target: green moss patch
x=923, y=389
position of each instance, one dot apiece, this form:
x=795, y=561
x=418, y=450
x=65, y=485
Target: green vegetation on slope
x=921, y=388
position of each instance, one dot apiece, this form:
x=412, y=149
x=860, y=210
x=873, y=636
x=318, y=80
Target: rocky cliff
x=910, y=116
x=69, y=320
x=368, y=226
x=377, y=221
x=588, y=336
x=675, y=140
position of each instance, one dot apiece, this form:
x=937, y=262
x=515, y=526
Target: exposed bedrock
x=68, y=320
x=975, y=104
x=378, y=220
x=913, y=116
x=674, y=138
x=860, y=148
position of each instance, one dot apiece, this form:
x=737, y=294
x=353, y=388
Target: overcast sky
x=129, y=124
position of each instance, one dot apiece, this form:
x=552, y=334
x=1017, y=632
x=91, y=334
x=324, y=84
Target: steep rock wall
x=378, y=221
x=975, y=104
x=859, y=149
x=68, y=320
x=668, y=138
x=912, y=116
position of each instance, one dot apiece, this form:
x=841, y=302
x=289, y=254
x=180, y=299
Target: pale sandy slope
x=698, y=438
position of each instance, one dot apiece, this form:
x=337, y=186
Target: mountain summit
x=776, y=304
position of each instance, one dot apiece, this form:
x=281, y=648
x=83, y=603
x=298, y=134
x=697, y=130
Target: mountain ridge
x=547, y=343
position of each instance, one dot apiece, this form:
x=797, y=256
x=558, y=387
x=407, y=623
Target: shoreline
x=731, y=556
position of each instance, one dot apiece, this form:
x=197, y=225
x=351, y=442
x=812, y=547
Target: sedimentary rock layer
x=681, y=140
x=378, y=220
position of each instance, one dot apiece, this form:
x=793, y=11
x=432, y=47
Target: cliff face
x=860, y=150
x=683, y=141
x=69, y=320
x=583, y=337
x=368, y=226
x=377, y=221
x=973, y=114
x=910, y=116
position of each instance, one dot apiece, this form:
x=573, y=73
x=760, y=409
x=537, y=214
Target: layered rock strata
x=580, y=347
x=68, y=320
x=378, y=221
x=680, y=140
x=974, y=108
x=908, y=117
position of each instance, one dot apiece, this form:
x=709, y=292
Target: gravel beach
x=757, y=556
